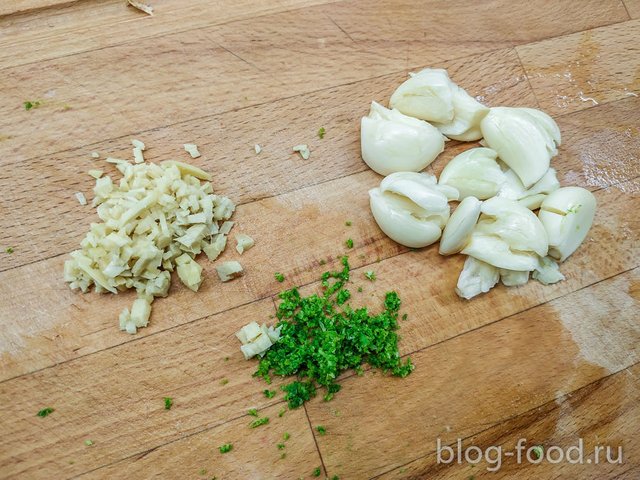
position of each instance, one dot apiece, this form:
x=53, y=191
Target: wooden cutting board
x=549, y=364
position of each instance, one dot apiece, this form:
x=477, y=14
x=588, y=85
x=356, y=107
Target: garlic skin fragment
x=475, y=278
x=524, y=138
x=474, y=173
x=393, y=142
x=467, y=115
x=567, y=215
x=458, y=229
x=548, y=272
x=410, y=208
x=426, y=95
x=533, y=197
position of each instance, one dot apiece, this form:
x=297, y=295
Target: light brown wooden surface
x=551, y=364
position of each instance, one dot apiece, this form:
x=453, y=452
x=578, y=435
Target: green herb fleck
x=316, y=472
x=45, y=412
x=321, y=133
x=321, y=430
x=168, y=403
x=225, y=448
x=281, y=446
x=9, y=250
x=269, y=393
x=286, y=436
x=224, y=381
x=370, y=275
x=253, y=412
x=258, y=422
x=226, y=359
x=538, y=451
x=88, y=443
x=281, y=412
x=279, y=277
x=404, y=317
x=360, y=289
x=28, y=105
x=335, y=477
x=203, y=471
x=349, y=243
x=320, y=338
x=323, y=262
x=348, y=223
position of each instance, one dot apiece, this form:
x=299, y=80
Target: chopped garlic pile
x=154, y=220
x=256, y=339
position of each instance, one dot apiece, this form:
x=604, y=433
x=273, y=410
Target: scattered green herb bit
x=323, y=262
x=320, y=338
x=370, y=275
x=260, y=421
x=360, y=289
x=224, y=381
x=202, y=471
x=269, y=393
x=168, y=403
x=9, y=250
x=28, y=105
x=538, y=451
x=321, y=430
x=71, y=462
x=226, y=448
x=283, y=455
x=88, y=443
x=348, y=223
x=321, y=133
x=45, y=412
x=316, y=472
x=280, y=446
x=253, y=412
x=335, y=477
x=342, y=296
x=281, y=412
x=472, y=477
x=349, y=243
x=404, y=317
x=226, y=359
x=286, y=436
x=279, y=277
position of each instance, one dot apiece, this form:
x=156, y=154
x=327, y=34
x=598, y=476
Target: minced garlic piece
x=243, y=243
x=192, y=149
x=229, y=270
x=95, y=173
x=303, y=150
x=81, y=198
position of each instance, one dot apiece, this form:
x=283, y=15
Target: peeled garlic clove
x=393, y=142
x=475, y=172
x=513, y=278
x=420, y=188
x=467, y=114
x=548, y=272
x=476, y=277
x=533, y=197
x=525, y=141
x=426, y=95
x=567, y=215
x=514, y=224
x=533, y=202
x=458, y=230
x=402, y=220
x=496, y=252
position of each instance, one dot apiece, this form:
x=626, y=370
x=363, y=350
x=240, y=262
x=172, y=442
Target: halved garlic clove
x=409, y=208
x=567, y=215
x=426, y=95
x=533, y=197
x=475, y=278
x=548, y=272
x=475, y=172
x=524, y=138
x=467, y=114
x=393, y=142
x=458, y=229
x=513, y=278
x=496, y=252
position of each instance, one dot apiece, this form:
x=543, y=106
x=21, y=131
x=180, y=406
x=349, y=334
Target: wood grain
x=633, y=7
x=480, y=379
x=584, y=69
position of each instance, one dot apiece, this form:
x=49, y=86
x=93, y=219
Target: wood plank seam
x=315, y=440
x=530, y=411
x=526, y=74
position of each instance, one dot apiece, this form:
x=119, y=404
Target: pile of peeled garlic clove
x=499, y=185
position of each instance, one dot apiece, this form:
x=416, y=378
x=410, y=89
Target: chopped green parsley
x=281, y=412
x=280, y=446
x=348, y=223
x=321, y=337
x=349, y=243
x=269, y=393
x=286, y=436
x=253, y=412
x=88, y=443
x=168, y=403
x=321, y=430
x=224, y=381
x=225, y=448
x=279, y=277
x=321, y=132
x=28, y=105
x=258, y=422
x=45, y=412
x=316, y=472
x=370, y=275
x=9, y=250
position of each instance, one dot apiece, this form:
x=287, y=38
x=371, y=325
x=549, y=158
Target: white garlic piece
x=548, y=272
x=524, y=138
x=393, y=142
x=508, y=236
x=567, y=215
x=467, y=114
x=513, y=278
x=474, y=172
x=457, y=231
x=531, y=198
x=411, y=208
x=476, y=277
x=426, y=95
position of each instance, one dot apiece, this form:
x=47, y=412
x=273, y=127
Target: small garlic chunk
x=95, y=173
x=524, y=138
x=82, y=200
x=256, y=339
x=513, y=278
x=189, y=271
x=192, y=149
x=303, y=150
x=138, y=144
x=257, y=148
x=457, y=231
x=229, y=270
x=411, y=208
x=548, y=272
x=474, y=172
x=393, y=142
x=567, y=215
x=243, y=243
x=475, y=278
